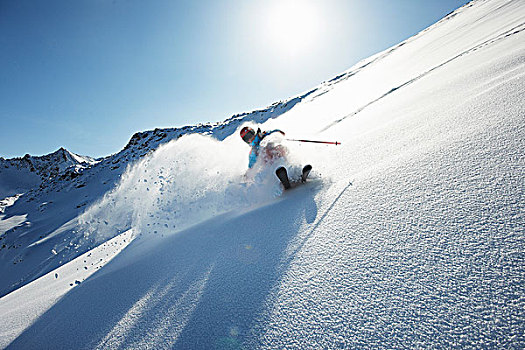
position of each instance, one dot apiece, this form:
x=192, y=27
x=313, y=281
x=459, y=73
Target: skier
x=254, y=139
x=270, y=152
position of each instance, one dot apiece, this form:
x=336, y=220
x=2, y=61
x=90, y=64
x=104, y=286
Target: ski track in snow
x=411, y=237
x=513, y=31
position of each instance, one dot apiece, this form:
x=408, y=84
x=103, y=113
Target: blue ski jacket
x=255, y=144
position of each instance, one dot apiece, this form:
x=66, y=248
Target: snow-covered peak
x=30, y=172
x=51, y=164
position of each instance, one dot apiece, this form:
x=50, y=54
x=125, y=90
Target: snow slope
x=411, y=234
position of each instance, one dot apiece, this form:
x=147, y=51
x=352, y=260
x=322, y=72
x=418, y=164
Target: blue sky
x=87, y=74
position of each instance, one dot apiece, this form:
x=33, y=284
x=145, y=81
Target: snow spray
x=181, y=184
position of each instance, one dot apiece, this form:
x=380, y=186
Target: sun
x=292, y=26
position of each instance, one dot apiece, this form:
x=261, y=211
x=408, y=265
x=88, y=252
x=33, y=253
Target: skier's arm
x=255, y=145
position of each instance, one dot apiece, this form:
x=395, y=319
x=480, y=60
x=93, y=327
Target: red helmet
x=247, y=134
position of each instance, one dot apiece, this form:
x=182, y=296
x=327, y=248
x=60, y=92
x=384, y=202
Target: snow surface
x=410, y=234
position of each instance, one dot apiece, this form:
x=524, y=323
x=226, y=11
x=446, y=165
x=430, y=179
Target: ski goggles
x=248, y=136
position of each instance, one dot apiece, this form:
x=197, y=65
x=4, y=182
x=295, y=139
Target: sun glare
x=292, y=26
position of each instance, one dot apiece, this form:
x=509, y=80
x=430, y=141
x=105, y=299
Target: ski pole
x=326, y=142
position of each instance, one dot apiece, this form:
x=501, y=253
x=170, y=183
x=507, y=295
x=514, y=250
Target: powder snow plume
x=182, y=183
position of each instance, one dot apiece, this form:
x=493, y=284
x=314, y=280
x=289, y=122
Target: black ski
x=282, y=174
x=306, y=172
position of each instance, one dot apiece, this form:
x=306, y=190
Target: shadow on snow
x=205, y=287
